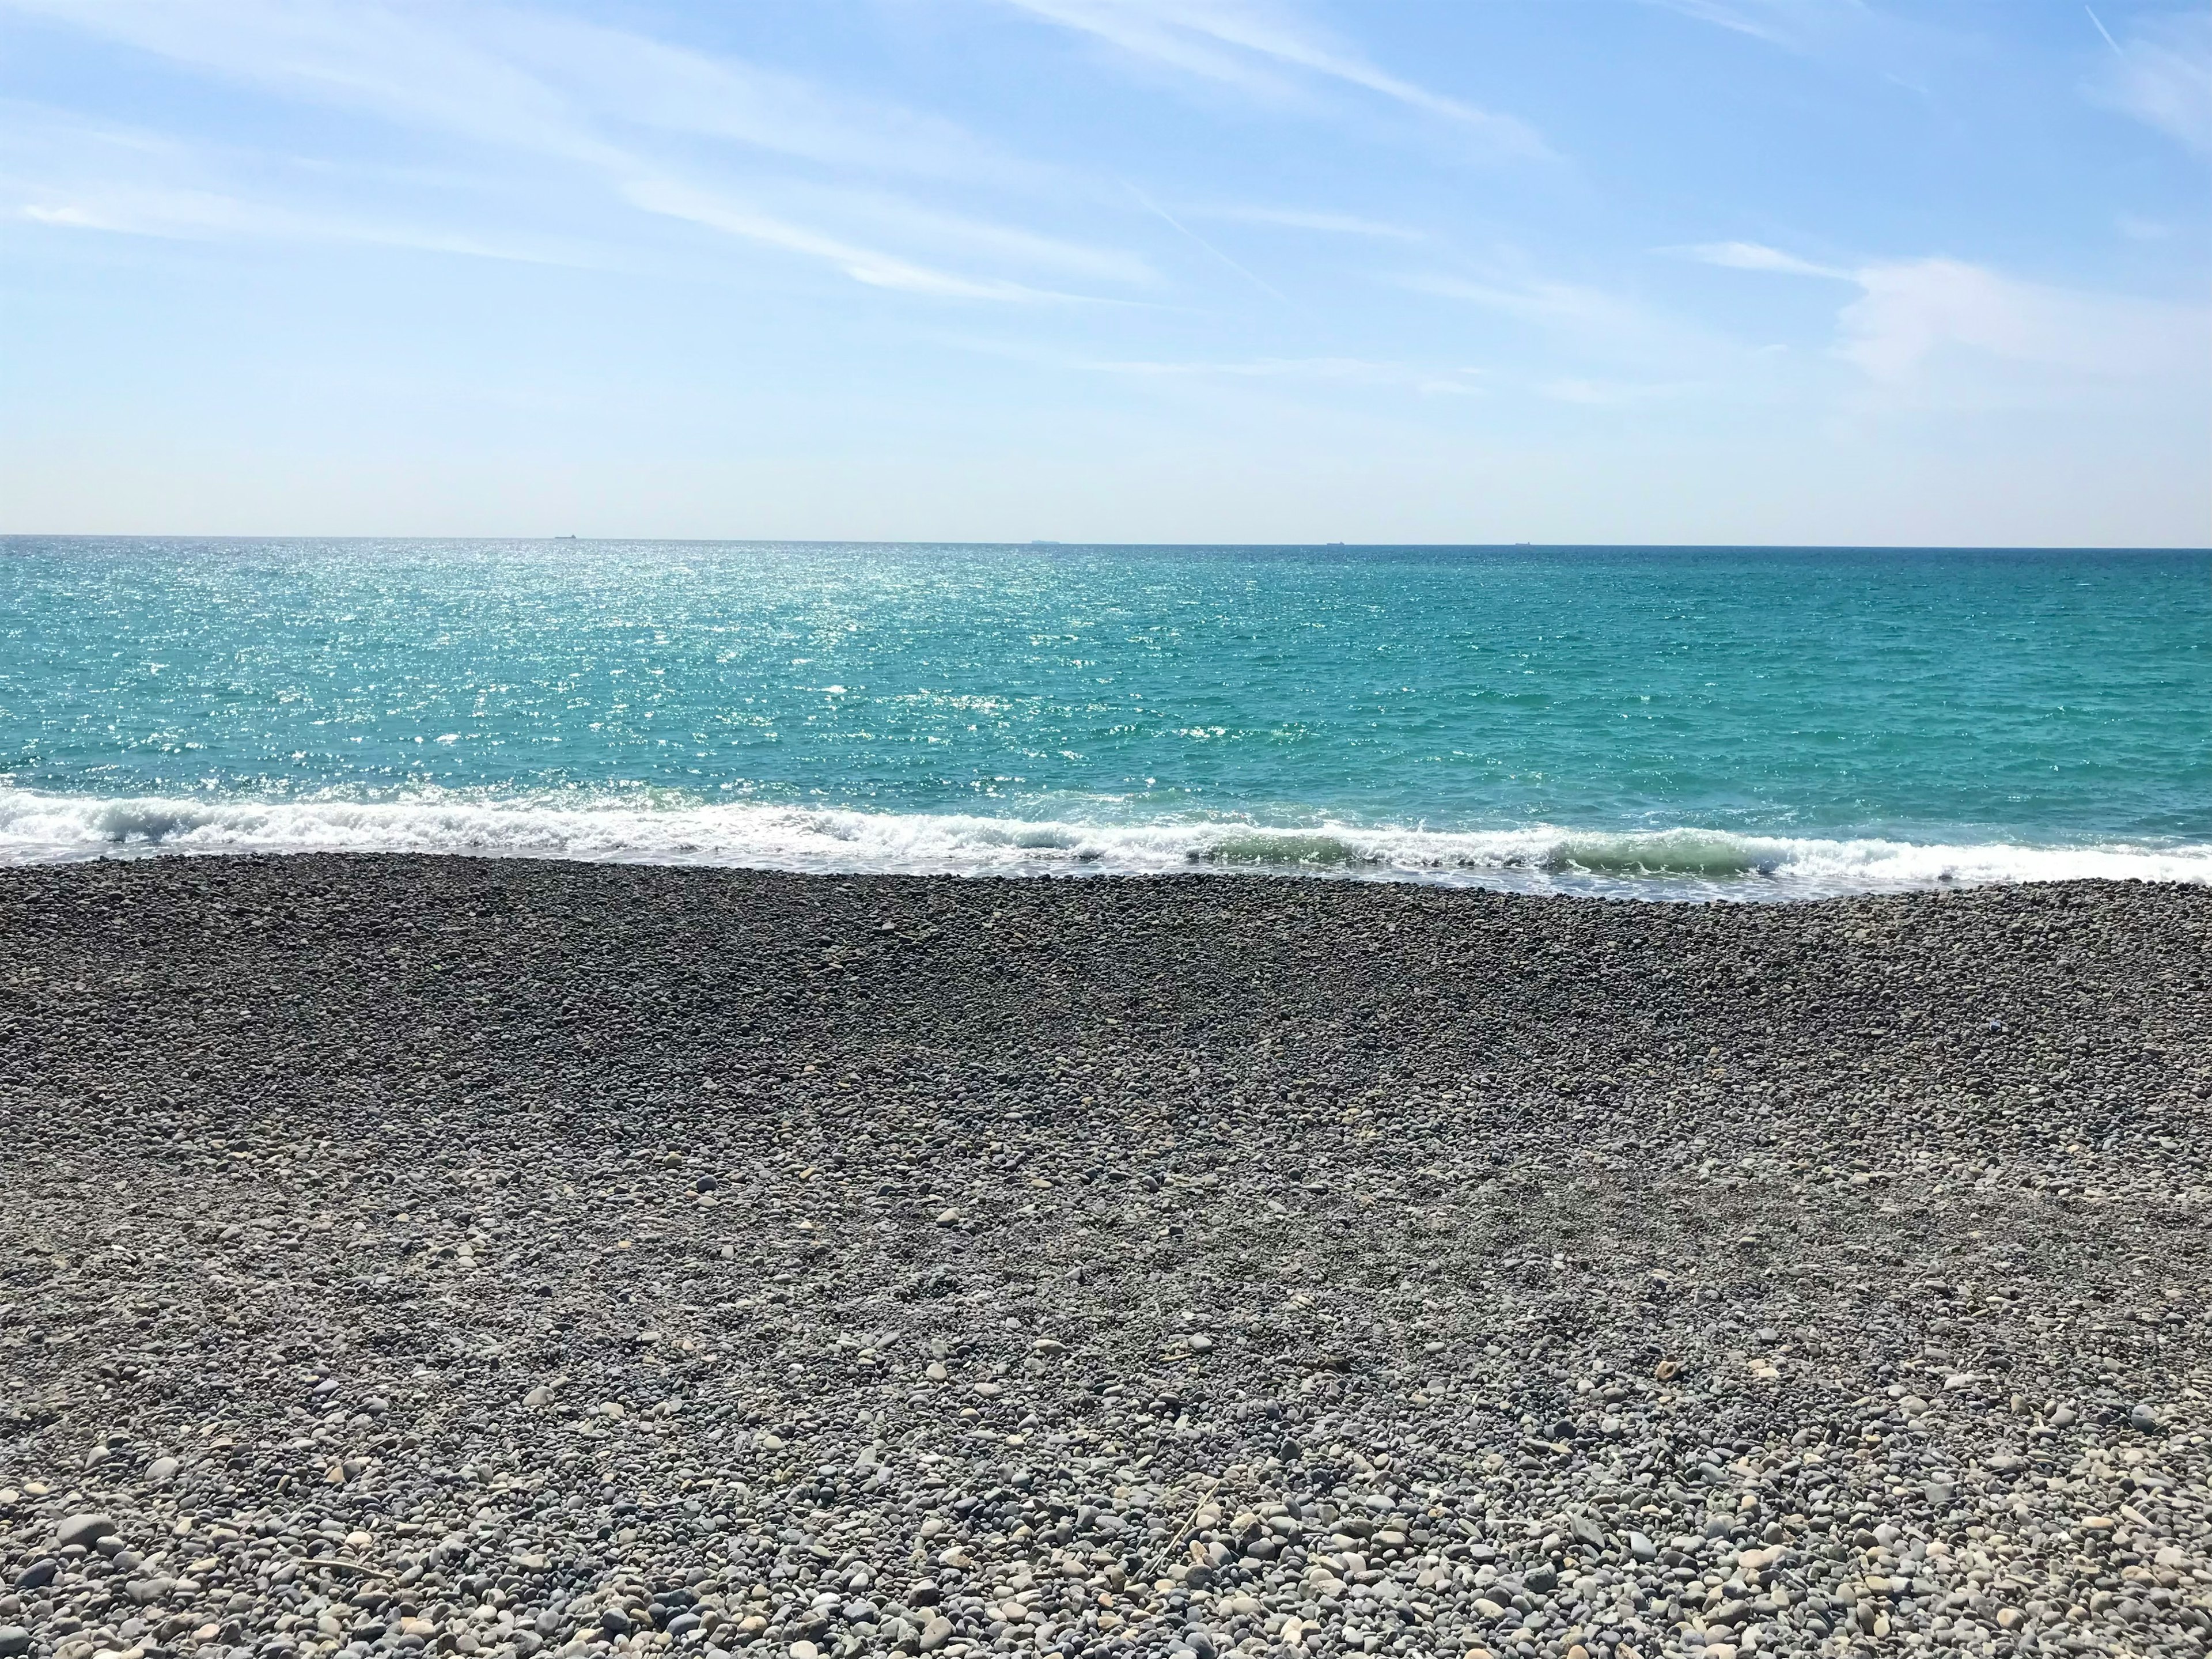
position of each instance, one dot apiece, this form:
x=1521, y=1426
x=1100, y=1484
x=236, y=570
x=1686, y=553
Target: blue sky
x=1592, y=270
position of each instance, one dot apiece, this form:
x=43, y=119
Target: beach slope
x=486, y=1256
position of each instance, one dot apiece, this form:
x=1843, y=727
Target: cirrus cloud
x=1911, y=312
x=2161, y=74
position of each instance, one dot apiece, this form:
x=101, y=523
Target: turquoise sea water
x=1665, y=722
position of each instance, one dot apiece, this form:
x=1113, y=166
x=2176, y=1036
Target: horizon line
x=1045, y=543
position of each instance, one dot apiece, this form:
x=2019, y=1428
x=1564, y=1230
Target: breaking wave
x=1681, y=863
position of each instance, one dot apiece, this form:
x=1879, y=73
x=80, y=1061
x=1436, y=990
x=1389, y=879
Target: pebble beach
x=506, y=1257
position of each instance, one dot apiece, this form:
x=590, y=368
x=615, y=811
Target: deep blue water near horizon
x=1666, y=722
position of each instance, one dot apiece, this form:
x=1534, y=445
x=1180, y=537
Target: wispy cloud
x=596, y=104
x=1770, y=20
x=1610, y=394
x=1561, y=334
x=2137, y=229
x=1755, y=256
x=401, y=66
x=189, y=215
x=863, y=264
x=63, y=171
x=1350, y=371
x=1325, y=224
x=1910, y=314
x=1912, y=310
x=640, y=83
x=1598, y=319
x=891, y=214
x=2161, y=73
x=1252, y=43
x=1915, y=49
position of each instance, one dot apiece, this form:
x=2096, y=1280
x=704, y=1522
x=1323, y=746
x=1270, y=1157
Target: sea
x=1635, y=722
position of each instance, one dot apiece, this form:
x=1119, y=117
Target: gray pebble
x=83, y=1529
x=1299, y=1269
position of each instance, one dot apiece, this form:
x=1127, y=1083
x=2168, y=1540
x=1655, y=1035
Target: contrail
x=2102, y=30
x=1264, y=288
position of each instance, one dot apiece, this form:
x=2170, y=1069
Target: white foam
x=1682, y=863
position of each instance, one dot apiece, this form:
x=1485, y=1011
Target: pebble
x=85, y=1528
x=1633, y=1368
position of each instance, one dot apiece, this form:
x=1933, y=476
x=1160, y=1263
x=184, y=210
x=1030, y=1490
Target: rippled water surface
x=1667, y=721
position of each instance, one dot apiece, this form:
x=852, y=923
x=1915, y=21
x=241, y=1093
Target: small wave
x=1663, y=853
x=1680, y=863
x=1283, y=847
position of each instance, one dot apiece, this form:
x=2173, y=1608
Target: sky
x=1802, y=271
